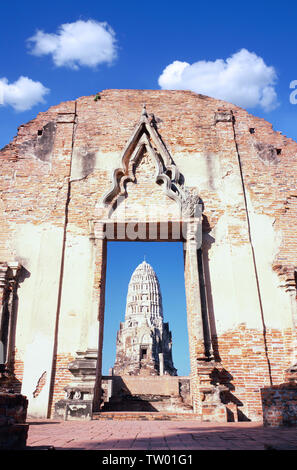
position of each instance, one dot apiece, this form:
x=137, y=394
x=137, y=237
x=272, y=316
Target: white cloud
x=82, y=43
x=243, y=79
x=23, y=94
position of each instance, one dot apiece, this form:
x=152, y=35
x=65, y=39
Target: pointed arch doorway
x=122, y=260
x=149, y=201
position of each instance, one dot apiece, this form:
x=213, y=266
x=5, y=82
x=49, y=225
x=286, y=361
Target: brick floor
x=157, y=435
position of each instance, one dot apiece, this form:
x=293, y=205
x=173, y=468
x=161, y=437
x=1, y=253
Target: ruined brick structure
x=218, y=179
x=144, y=342
x=13, y=427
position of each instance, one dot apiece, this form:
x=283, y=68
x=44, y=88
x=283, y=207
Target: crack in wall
x=252, y=250
x=55, y=346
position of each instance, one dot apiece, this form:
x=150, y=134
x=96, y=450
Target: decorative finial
x=144, y=113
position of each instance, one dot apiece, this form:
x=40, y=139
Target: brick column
x=195, y=321
x=13, y=273
x=100, y=258
x=194, y=311
x=3, y=286
x=8, y=286
x=290, y=287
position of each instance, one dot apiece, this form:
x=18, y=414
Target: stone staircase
x=147, y=403
x=145, y=416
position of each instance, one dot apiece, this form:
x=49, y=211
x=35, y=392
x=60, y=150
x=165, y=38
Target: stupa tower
x=144, y=342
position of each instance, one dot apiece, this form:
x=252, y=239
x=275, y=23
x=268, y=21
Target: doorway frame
x=189, y=232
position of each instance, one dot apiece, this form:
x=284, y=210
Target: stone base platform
x=160, y=394
x=13, y=427
x=13, y=437
x=147, y=403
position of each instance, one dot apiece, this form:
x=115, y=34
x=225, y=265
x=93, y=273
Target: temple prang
x=144, y=341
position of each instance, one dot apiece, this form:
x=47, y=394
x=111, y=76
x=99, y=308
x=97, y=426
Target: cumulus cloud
x=82, y=43
x=23, y=94
x=243, y=79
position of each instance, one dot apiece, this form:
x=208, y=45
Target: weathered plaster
x=76, y=303
x=231, y=274
x=85, y=162
x=38, y=249
x=38, y=357
x=200, y=169
x=266, y=242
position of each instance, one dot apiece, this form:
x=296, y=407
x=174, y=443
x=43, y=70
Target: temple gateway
x=149, y=165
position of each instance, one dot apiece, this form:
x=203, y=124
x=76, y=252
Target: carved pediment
x=146, y=157
x=146, y=141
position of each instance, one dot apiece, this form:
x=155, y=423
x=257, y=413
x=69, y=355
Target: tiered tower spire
x=144, y=341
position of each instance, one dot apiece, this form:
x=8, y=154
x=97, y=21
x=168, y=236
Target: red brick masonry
x=280, y=405
x=36, y=189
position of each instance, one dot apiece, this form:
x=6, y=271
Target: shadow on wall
x=223, y=377
x=219, y=376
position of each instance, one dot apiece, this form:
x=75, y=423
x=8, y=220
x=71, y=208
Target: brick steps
x=145, y=404
x=145, y=416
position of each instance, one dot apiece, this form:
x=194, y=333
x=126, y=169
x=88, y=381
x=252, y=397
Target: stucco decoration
x=147, y=140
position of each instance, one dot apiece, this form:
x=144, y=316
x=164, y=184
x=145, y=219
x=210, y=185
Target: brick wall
x=280, y=405
x=58, y=167
x=252, y=363
x=60, y=379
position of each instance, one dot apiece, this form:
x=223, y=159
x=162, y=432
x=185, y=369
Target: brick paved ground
x=157, y=435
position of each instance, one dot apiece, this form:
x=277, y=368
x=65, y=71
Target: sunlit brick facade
x=85, y=166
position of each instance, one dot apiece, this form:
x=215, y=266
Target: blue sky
x=149, y=37
x=244, y=52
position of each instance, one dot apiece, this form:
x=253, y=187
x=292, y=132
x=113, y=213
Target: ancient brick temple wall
x=13, y=430
x=254, y=363
x=52, y=180
x=279, y=405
